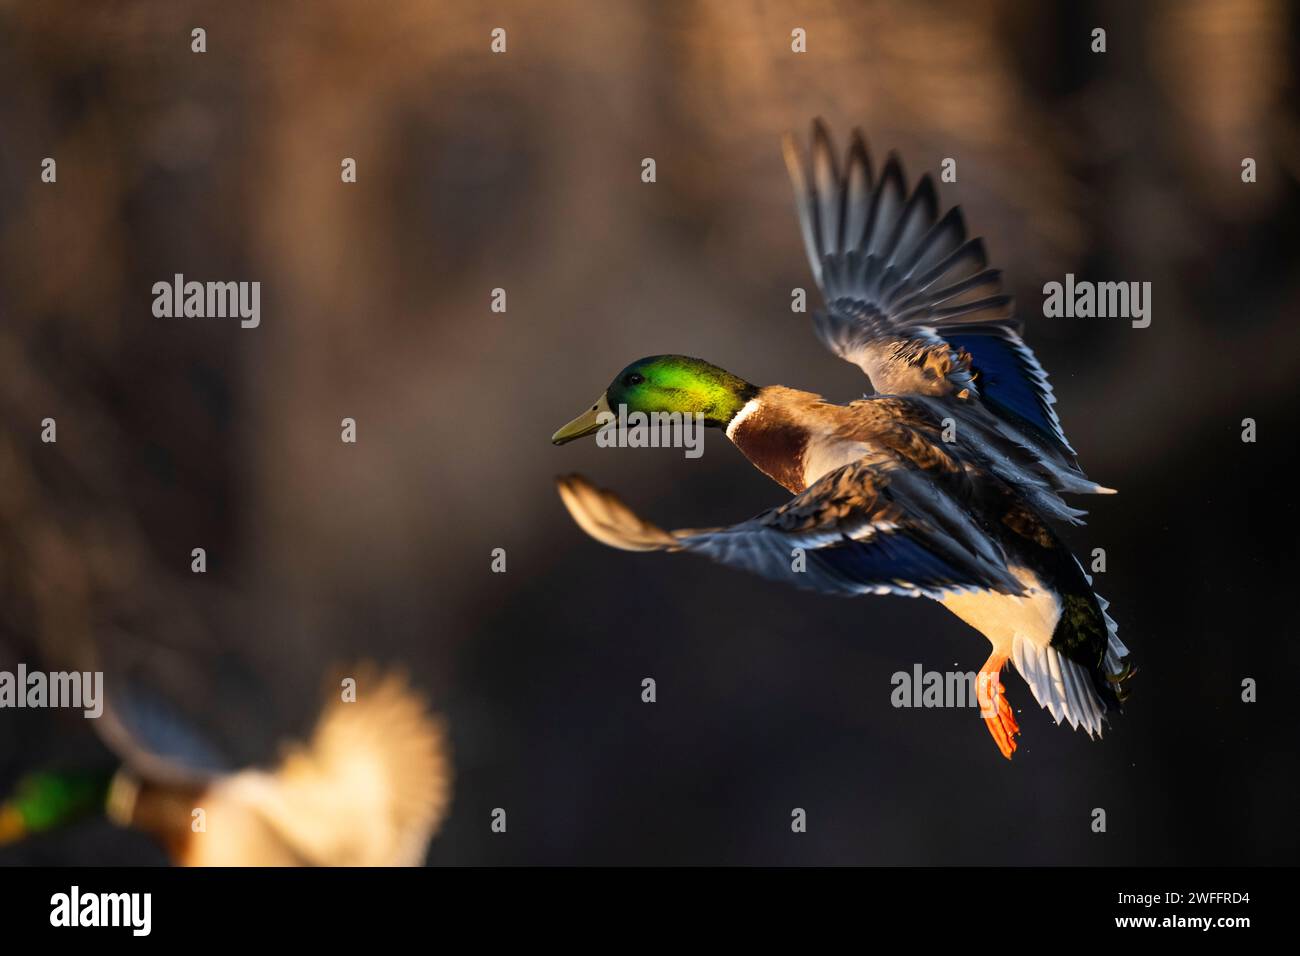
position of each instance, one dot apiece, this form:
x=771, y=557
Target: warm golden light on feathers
x=370, y=787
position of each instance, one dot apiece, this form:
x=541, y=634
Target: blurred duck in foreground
x=369, y=788
x=941, y=485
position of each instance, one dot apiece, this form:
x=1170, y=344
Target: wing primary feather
x=857, y=192
x=803, y=200
x=826, y=190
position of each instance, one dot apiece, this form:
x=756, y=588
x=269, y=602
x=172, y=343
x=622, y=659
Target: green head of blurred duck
x=51, y=800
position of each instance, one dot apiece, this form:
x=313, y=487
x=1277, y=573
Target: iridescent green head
x=48, y=800
x=666, y=383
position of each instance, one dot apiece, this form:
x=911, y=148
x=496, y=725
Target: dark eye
x=633, y=379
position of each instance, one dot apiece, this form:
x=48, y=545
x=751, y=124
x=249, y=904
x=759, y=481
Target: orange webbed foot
x=994, y=706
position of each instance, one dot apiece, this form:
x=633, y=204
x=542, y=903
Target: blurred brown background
x=521, y=171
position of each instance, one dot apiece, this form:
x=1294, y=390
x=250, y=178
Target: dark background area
x=522, y=171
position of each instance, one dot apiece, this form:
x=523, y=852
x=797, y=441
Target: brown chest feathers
x=774, y=445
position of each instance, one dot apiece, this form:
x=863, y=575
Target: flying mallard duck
x=370, y=788
x=939, y=485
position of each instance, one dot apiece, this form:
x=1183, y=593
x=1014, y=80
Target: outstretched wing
x=372, y=785
x=862, y=529
x=910, y=299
